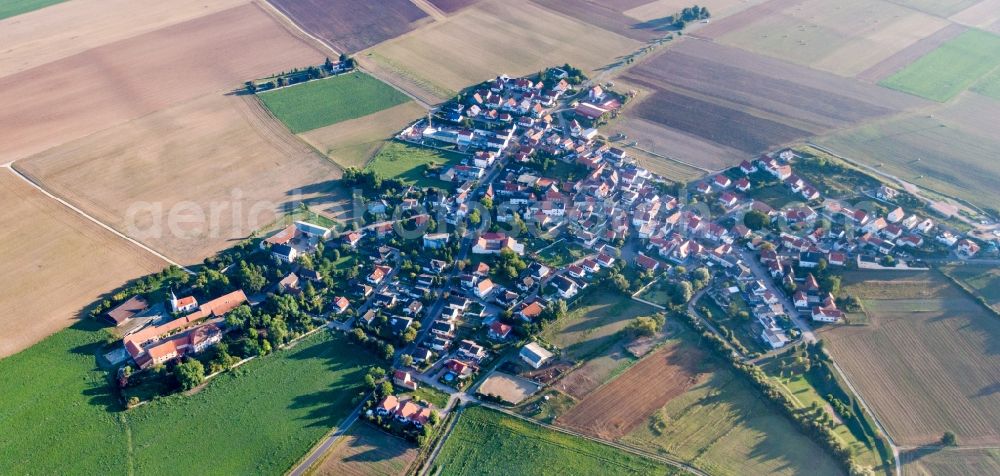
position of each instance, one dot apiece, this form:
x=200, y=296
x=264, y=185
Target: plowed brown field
x=104, y=86
x=627, y=401
x=352, y=25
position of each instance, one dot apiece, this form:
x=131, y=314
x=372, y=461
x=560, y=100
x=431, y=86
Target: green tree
x=949, y=439
x=190, y=374
x=756, y=220
x=406, y=360
x=642, y=327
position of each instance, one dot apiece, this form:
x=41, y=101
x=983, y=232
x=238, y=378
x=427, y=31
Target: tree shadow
x=328, y=407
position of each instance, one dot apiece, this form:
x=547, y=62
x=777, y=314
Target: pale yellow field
x=351, y=143
x=504, y=36
x=661, y=8
x=222, y=156
x=55, y=262
x=845, y=37
x=981, y=15
x=68, y=28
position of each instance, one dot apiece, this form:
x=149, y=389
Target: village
x=452, y=286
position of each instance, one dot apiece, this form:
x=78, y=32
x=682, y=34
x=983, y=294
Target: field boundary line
x=30, y=181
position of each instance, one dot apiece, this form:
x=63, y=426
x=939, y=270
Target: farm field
x=610, y=15
x=844, y=38
x=756, y=102
x=594, y=322
x=942, y=8
x=56, y=398
x=948, y=152
x=483, y=440
x=353, y=26
x=407, y=162
x=319, y=103
x=950, y=462
x=657, y=9
x=915, y=51
x=352, y=143
x=927, y=363
x=99, y=88
x=597, y=370
x=452, y=6
x=515, y=37
x=17, y=7
x=69, y=28
x=47, y=279
x=261, y=419
x=654, y=138
x=951, y=68
x=989, y=85
x=210, y=164
x=367, y=451
x=616, y=408
x=985, y=15
x=720, y=423
x=984, y=280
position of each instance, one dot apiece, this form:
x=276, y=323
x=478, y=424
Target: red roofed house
x=722, y=181
x=340, y=304
x=183, y=305
x=530, y=311
x=499, y=330
x=645, y=262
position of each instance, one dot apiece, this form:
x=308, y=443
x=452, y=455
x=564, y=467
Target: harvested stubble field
x=96, y=89
x=904, y=57
x=17, y=7
x=950, y=151
x=950, y=461
x=319, y=103
x=69, y=28
x=452, y=6
x=619, y=406
x=353, y=142
x=221, y=163
x=951, y=68
x=55, y=262
x=515, y=37
x=724, y=426
x=365, y=450
x=845, y=37
x=487, y=442
x=928, y=361
x=610, y=15
x=656, y=9
x=942, y=8
x=984, y=280
x=984, y=15
x=746, y=94
x=259, y=419
x=350, y=25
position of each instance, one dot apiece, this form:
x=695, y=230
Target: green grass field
x=487, y=442
x=983, y=280
x=802, y=391
x=9, y=8
x=431, y=395
x=724, y=426
x=408, y=163
x=594, y=324
x=951, y=68
x=60, y=417
x=562, y=254
x=933, y=152
x=319, y=103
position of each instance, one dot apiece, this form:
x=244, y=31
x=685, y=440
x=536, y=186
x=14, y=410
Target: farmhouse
x=494, y=243
x=127, y=310
x=535, y=355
